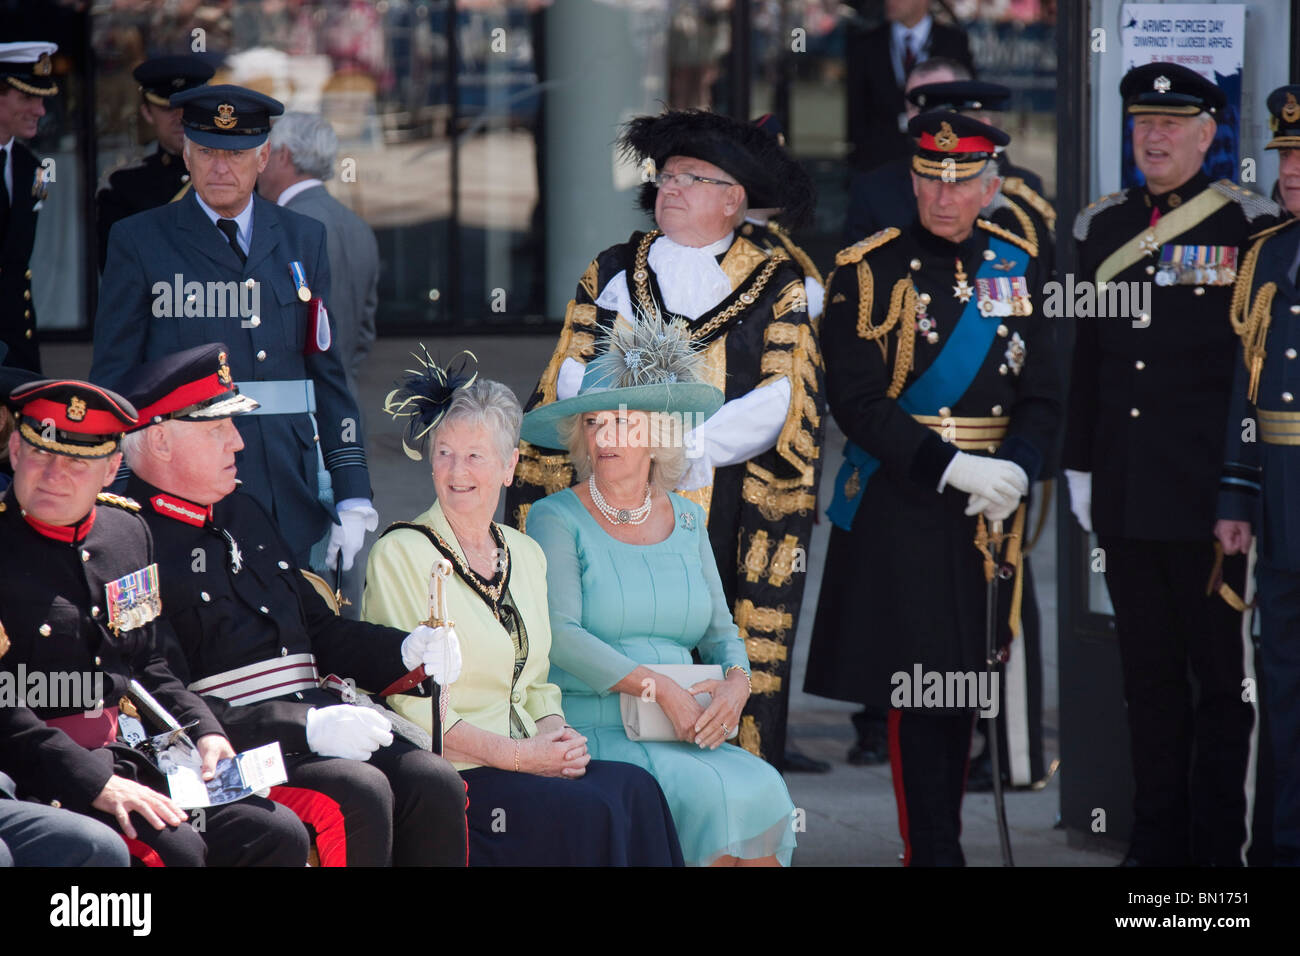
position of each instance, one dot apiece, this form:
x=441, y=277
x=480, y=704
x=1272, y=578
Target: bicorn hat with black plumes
x=748, y=152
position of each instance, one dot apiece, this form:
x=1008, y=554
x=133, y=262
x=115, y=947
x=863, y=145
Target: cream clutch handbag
x=644, y=719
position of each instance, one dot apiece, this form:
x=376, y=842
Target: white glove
x=1081, y=496
x=995, y=480
x=992, y=510
x=347, y=731
x=437, y=648
x=357, y=517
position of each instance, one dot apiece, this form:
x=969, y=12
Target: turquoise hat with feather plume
x=650, y=365
x=423, y=397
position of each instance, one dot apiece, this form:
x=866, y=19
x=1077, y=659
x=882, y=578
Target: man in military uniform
x=160, y=177
x=251, y=632
x=26, y=71
x=884, y=197
x=942, y=374
x=1143, y=453
x=1255, y=490
x=759, y=456
x=79, y=596
x=225, y=263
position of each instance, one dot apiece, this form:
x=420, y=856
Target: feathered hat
x=648, y=365
x=424, y=396
x=749, y=152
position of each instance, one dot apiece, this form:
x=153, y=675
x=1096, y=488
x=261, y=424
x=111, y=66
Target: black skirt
x=614, y=815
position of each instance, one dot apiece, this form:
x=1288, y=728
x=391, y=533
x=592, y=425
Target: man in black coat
x=877, y=62
x=25, y=69
x=944, y=377
x=1148, y=403
x=250, y=633
x=79, y=600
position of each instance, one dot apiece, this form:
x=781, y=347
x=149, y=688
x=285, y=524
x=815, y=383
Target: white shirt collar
x=9, y=145
x=244, y=220
x=920, y=34
x=295, y=189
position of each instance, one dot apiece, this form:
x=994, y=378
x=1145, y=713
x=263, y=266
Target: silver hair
x=133, y=446
x=666, y=436
x=311, y=141
x=491, y=405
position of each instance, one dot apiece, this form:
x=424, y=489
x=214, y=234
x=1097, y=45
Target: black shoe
x=979, y=778
x=868, y=753
x=796, y=762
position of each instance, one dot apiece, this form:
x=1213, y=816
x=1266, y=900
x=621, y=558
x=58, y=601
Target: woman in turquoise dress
x=632, y=582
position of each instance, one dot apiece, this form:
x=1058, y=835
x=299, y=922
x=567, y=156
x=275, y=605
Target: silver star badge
x=962, y=290
x=1149, y=243
x=1162, y=84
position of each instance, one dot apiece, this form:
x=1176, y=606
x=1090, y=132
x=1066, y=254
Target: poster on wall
x=1208, y=38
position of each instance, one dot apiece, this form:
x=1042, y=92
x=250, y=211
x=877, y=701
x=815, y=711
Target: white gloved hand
x=1081, y=496
x=437, y=648
x=357, y=517
x=996, y=480
x=347, y=731
x=992, y=510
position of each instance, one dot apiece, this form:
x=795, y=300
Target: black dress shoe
x=868, y=753
x=979, y=778
x=796, y=762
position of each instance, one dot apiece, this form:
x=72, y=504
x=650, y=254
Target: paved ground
x=850, y=813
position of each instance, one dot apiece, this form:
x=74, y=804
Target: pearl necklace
x=619, y=515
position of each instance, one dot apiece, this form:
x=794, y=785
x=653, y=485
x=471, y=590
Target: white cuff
x=743, y=427
x=569, y=379
x=363, y=505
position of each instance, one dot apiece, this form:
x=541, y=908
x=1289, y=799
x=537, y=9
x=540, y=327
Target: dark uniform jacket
x=54, y=605
x=152, y=181
x=1260, y=478
x=905, y=585
x=278, y=465
x=1147, y=405
x=17, y=312
x=220, y=620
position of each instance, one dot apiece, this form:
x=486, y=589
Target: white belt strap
x=290, y=397
x=262, y=681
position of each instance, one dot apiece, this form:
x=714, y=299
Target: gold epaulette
x=855, y=252
x=1016, y=186
x=1273, y=229
x=1009, y=236
x=118, y=501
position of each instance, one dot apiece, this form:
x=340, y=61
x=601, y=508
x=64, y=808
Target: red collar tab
x=181, y=510
x=67, y=533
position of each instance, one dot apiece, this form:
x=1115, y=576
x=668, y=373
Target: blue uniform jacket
x=1259, y=478
x=146, y=253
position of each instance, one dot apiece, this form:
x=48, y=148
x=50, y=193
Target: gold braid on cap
x=902, y=302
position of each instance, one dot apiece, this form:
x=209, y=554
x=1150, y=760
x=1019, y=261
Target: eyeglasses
x=687, y=180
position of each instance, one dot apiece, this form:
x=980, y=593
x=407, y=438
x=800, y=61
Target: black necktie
x=909, y=55
x=4, y=195
x=231, y=229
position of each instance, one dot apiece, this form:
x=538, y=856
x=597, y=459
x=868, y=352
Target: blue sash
x=940, y=385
